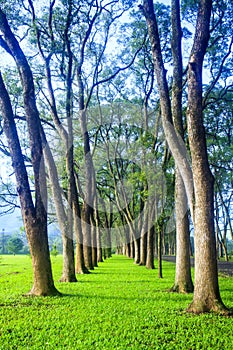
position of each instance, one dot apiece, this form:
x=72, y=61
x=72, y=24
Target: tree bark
x=150, y=248
x=34, y=216
x=68, y=270
x=143, y=248
x=159, y=237
x=183, y=279
x=89, y=195
x=175, y=143
x=144, y=236
x=206, y=291
x=137, y=250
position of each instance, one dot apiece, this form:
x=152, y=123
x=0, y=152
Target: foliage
x=118, y=306
x=14, y=245
x=54, y=251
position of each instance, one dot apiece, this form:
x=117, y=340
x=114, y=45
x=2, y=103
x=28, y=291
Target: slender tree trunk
x=132, y=250
x=34, y=216
x=94, y=244
x=206, y=291
x=80, y=264
x=150, y=248
x=175, y=143
x=183, y=279
x=99, y=240
x=144, y=236
x=159, y=237
x=89, y=186
x=143, y=249
x=137, y=250
x=68, y=270
x=87, y=244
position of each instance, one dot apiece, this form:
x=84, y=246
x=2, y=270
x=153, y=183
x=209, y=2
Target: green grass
x=118, y=306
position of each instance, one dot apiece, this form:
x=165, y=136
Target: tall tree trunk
x=89, y=186
x=68, y=270
x=87, y=244
x=183, y=279
x=144, y=236
x=175, y=143
x=98, y=238
x=143, y=248
x=34, y=216
x=159, y=237
x=150, y=248
x=94, y=240
x=206, y=291
x=137, y=250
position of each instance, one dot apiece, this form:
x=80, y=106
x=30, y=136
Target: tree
x=54, y=251
x=34, y=212
x=219, y=127
x=4, y=239
x=206, y=290
x=183, y=280
x=14, y=245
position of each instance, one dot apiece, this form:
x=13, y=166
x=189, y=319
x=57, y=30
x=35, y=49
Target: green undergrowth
x=118, y=306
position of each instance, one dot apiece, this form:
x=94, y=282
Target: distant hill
x=11, y=223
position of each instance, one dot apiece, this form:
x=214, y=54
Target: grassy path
x=118, y=306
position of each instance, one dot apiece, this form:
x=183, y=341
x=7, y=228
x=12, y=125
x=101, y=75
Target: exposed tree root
x=36, y=292
x=182, y=288
x=71, y=279
x=215, y=306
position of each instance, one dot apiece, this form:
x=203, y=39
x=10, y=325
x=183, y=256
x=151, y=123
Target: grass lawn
x=118, y=306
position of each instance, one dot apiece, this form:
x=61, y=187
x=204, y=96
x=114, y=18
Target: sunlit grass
x=118, y=306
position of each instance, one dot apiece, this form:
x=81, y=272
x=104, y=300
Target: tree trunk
x=34, y=216
x=206, y=291
x=132, y=249
x=80, y=264
x=137, y=250
x=68, y=270
x=175, y=142
x=143, y=248
x=150, y=248
x=36, y=230
x=89, y=185
x=87, y=244
x=159, y=237
x=98, y=238
x=183, y=280
x=144, y=235
x=94, y=245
